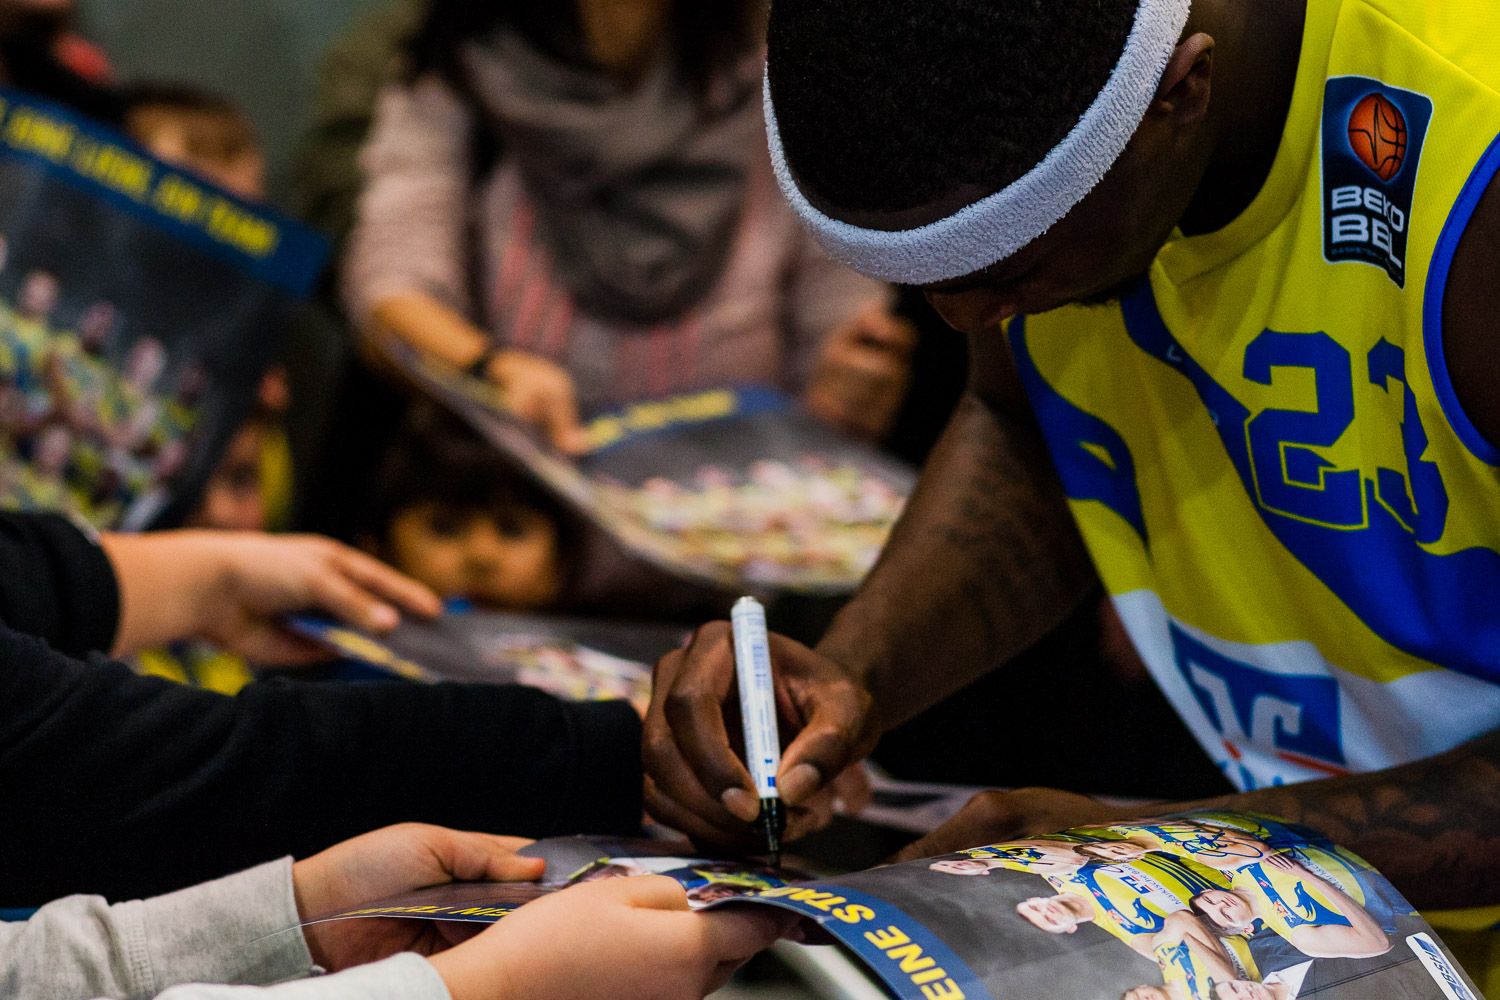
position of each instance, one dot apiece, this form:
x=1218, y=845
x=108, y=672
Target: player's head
x=1071, y=134
x=965, y=866
x=145, y=362
x=39, y=294
x=1225, y=910
x=1240, y=989
x=1111, y=851
x=1060, y=914
x=1145, y=993
x=96, y=324
x=710, y=891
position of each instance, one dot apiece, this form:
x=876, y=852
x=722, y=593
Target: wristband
x=479, y=367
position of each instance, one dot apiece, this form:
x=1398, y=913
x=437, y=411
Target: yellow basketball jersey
x=1295, y=519
x=1132, y=899
x=1288, y=900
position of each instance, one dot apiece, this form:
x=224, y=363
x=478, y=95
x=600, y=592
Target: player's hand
x=1283, y=862
x=540, y=392
x=618, y=939
x=695, y=780
x=265, y=577
x=994, y=817
x=862, y=376
x=395, y=860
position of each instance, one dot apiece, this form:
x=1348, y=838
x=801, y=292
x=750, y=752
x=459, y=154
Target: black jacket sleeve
x=129, y=786
x=56, y=584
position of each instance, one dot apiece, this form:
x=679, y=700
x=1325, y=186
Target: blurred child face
x=234, y=499
x=508, y=561
x=168, y=135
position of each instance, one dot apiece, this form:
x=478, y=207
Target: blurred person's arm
x=850, y=357
x=232, y=588
x=130, y=786
x=56, y=583
x=406, y=268
x=125, y=593
x=534, y=388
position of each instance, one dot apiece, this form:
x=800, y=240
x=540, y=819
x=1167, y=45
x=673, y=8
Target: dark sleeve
x=56, y=584
x=130, y=786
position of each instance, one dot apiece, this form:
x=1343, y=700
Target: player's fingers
x=852, y=790
x=694, y=710
x=830, y=741
x=689, y=689
x=671, y=814
x=383, y=581
x=988, y=817
x=671, y=786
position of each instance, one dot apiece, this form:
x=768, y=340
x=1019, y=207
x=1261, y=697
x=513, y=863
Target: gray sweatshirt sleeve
x=237, y=930
x=412, y=216
x=240, y=929
x=402, y=977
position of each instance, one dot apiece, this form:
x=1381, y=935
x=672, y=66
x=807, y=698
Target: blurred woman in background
x=574, y=200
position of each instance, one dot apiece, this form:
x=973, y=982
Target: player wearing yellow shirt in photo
x=1314, y=915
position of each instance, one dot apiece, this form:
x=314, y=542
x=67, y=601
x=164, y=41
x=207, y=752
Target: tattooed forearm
x=1432, y=826
x=984, y=563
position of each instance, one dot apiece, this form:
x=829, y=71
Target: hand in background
x=394, y=860
x=862, y=377
x=619, y=939
x=233, y=588
x=994, y=817
x=696, y=782
x=542, y=393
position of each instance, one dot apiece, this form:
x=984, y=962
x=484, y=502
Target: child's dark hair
x=437, y=458
x=220, y=131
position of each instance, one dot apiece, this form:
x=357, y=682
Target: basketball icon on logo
x=1377, y=134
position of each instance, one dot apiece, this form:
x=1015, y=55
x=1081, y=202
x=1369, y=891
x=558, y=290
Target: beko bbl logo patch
x=1372, y=142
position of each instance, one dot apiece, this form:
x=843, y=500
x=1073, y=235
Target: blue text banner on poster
x=111, y=166
x=906, y=955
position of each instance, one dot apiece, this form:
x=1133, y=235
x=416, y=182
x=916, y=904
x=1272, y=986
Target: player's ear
x=1182, y=94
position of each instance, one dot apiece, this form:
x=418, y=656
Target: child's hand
x=233, y=588
x=861, y=379
x=618, y=939
x=387, y=862
x=266, y=577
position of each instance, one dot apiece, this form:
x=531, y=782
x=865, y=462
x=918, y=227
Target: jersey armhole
x=1432, y=305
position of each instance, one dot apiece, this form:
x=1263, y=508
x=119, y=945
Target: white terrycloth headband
x=995, y=227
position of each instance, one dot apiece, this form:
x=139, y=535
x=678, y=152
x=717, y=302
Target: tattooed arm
x=1432, y=826
x=985, y=561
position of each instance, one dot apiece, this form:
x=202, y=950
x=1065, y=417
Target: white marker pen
x=752, y=665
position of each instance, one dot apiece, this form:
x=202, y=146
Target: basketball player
x=1229, y=276
x=1039, y=857
x=1310, y=913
